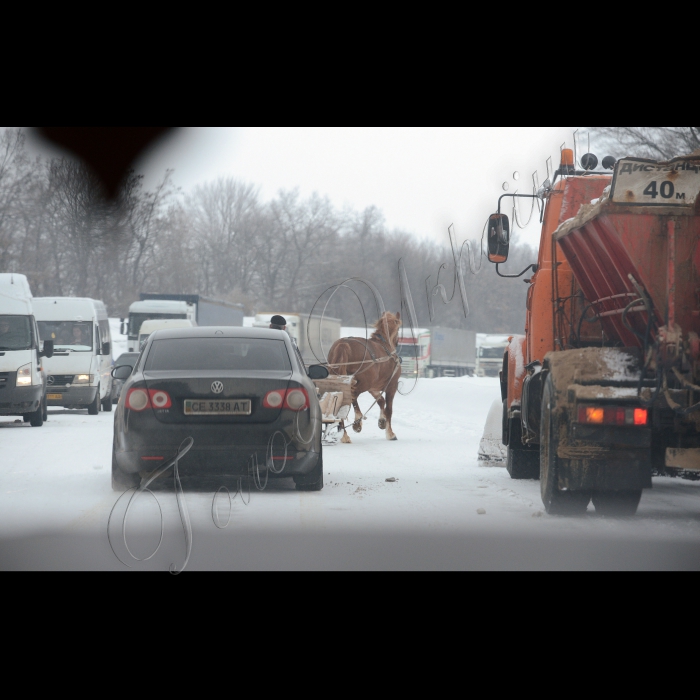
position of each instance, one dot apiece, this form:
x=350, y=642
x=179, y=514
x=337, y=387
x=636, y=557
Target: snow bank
x=491, y=449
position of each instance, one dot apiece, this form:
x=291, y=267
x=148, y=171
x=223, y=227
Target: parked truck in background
x=489, y=354
x=201, y=311
x=437, y=352
x=314, y=335
x=603, y=390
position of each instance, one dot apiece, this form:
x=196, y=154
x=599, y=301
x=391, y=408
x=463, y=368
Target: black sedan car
x=242, y=395
x=127, y=359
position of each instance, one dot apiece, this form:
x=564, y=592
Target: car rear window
x=218, y=354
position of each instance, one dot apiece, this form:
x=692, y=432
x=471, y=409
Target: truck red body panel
x=656, y=251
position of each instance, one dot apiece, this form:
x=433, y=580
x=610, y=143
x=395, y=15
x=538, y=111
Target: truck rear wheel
x=556, y=502
x=523, y=463
x=617, y=503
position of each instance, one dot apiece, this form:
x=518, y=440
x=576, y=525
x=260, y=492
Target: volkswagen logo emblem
x=217, y=388
x=50, y=381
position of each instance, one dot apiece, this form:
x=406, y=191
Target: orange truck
x=603, y=390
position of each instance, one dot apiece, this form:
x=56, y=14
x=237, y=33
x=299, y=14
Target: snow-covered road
x=56, y=500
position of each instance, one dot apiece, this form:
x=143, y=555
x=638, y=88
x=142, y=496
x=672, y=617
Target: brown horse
x=376, y=367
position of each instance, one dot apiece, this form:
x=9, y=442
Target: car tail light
x=138, y=400
x=292, y=400
x=160, y=400
x=297, y=400
x=613, y=415
x=274, y=399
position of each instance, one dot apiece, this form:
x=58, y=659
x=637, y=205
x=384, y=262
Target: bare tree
x=657, y=142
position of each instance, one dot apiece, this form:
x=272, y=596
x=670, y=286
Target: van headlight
x=83, y=379
x=24, y=376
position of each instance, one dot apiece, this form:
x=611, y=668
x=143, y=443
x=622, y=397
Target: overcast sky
x=422, y=178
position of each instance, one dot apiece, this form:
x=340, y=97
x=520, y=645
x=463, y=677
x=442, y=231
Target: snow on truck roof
x=149, y=307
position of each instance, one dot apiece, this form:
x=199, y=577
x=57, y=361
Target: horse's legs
x=379, y=398
x=357, y=425
x=390, y=393
x=346, y=438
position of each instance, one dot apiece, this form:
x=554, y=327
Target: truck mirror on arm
x=499, y=238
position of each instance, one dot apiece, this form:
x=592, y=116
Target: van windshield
x=70, y=336
x=15, y=333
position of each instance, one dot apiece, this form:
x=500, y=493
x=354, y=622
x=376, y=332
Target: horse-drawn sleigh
x=357, y=366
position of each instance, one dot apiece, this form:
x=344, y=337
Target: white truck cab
x=22, y=378
x=148, y=328
x=79, y=375
x=142, y=311
x=490, y=352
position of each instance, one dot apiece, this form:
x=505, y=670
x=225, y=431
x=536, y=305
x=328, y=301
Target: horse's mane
x=381, y=327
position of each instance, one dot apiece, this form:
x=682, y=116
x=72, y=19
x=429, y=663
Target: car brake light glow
x=613, y=415
x=138, y=400
x=292, y=400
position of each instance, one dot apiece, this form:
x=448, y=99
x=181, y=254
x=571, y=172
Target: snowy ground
x=56, y=499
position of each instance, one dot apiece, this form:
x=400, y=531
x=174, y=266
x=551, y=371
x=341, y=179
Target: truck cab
x=414, y=351
x=489, y=355
x=22, y=377
x=79, y=375
x=155, y=310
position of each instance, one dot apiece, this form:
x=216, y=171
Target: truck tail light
x=613, y=415
x=291, y=400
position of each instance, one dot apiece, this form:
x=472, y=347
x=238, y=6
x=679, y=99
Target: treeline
x=223, y=241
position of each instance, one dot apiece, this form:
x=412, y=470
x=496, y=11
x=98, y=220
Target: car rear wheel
x=94, y=407
x=45, y=412
x=121, y=481
x=312, y=481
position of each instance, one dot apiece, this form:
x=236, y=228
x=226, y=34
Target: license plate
x=219, y=408
x=54, y=397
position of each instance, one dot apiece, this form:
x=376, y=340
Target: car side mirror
x=124, y=327
x=318, y=372
x=106, y=348
x=499, y=238
x=48, y=349
x=123, y=372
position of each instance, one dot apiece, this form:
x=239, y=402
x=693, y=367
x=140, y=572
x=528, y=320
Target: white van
x=80, y=371
x=148, y=328
x=22, y=379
